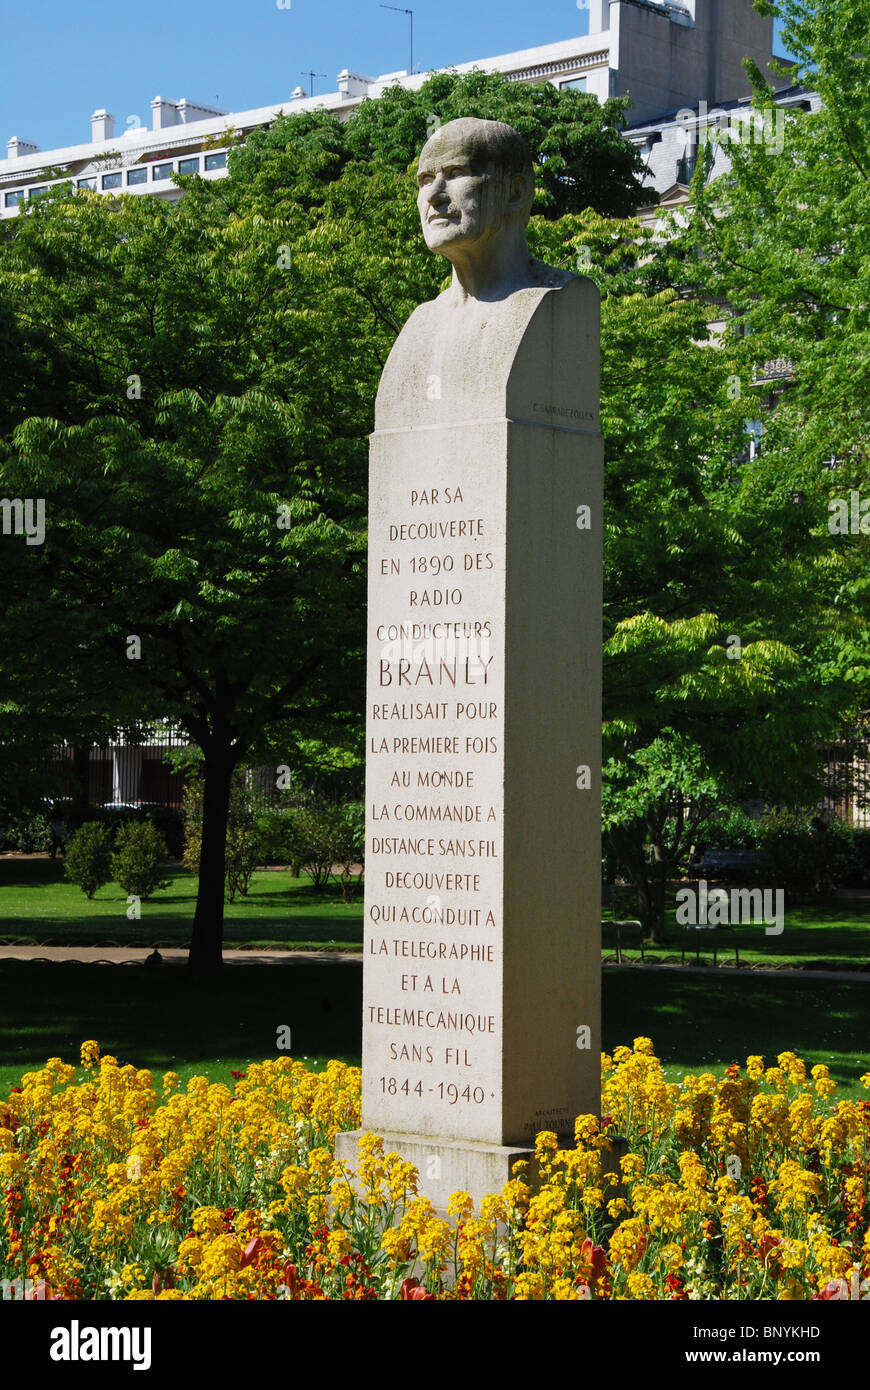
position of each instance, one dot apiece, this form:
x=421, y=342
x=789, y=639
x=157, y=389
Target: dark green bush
x=275, y=834
x=731, y=828
x=88, y=861
x=243, y=851
x=858, y=871
x=808, y=852
x=139, y=859
x=27, y=833
x=169, y=821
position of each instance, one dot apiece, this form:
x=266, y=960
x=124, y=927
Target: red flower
x=767, y=1246
x=413, y=1291
x=252, y=1251
x=594, y=1258
x=831, y=1290
x=40, y=1291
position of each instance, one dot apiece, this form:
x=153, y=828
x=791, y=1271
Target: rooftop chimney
x=599, y=16
x=191, y=111
x=164, y=113
x=16, y=148
x=353, y=84
x=102, y=126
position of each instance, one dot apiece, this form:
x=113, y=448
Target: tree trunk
x=208, y=924
x=651, y=900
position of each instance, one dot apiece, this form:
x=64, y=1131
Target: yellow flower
x=339, y=1243
x=396, y=1244
x=208, y=1221
x=493, y=1208
x=461, y=1204
x=12, y=1165
x=641, y=1286
x=90, y=1054
x=628, y=1243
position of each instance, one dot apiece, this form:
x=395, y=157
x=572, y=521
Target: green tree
x=204, y=544
x=712, y=681
x=785, y=239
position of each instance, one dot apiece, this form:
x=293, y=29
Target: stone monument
x=481, y=1015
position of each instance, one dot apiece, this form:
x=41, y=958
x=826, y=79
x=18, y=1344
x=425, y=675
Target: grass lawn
x=828, y=934
x=162, y=1020
x=38, y=906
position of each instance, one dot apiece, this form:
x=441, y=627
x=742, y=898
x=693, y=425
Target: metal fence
x=133, y=770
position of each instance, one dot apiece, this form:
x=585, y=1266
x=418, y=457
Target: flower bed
x=748, y=1186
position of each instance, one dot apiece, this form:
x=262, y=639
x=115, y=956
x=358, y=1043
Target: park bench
x=694, y=935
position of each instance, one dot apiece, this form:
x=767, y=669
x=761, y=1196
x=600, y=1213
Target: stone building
x=664, y=56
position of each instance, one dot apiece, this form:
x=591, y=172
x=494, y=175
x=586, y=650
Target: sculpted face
x=462, y=197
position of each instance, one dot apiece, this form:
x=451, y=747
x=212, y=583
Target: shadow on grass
x=296, y=932
x=159, y=1018
x=697, y=1021
x=162, y=1018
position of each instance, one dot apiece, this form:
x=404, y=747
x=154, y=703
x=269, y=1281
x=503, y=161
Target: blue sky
x=63, y=60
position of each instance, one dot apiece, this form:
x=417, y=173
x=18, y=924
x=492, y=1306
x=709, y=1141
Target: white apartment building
x=663, y=55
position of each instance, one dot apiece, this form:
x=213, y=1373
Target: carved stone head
x=476, y=183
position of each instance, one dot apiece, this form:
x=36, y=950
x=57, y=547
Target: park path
x=134, y=955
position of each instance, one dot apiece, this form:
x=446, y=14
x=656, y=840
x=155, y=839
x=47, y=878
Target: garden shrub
x=139, y=859
x=242, y=858
x=27, y=833
x=243, y=852
x=808, y=852
x=327, y=839
x=88, y=861
x=858, y=870
x=732, y=828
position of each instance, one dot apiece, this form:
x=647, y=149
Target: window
x=686, y=168
x=578, y=84
x=87, y=183
x=161, y=171
x=216, y=161
x=754, y=429
x=13, y=199
x=39, y=192
x=112, y=180
x=136, y=176
x=188, y=166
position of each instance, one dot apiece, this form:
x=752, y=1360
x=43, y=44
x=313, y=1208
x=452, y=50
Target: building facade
x=664, y=56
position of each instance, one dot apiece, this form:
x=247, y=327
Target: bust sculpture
x=476, y=188
x=481, y=347
x=483, y=691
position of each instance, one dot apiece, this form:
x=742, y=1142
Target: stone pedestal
x=481, y=1021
